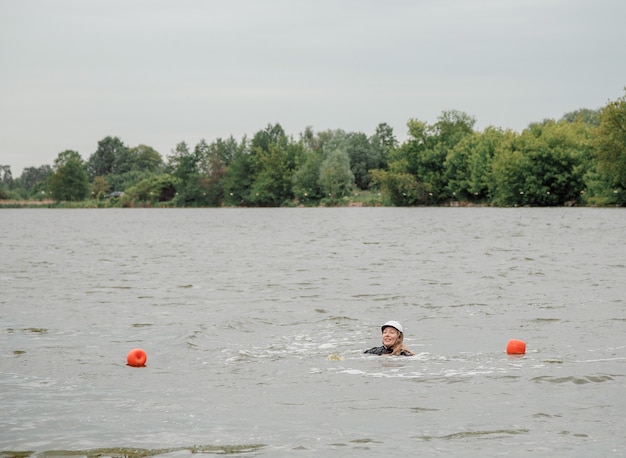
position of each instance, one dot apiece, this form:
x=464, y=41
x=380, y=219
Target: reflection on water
x=255, y=322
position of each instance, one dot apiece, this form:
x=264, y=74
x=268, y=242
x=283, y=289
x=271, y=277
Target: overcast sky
x=159, y=72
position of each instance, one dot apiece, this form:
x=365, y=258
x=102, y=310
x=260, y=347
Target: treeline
x=579, y=159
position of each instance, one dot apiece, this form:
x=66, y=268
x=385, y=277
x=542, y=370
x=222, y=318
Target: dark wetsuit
x=384, y=351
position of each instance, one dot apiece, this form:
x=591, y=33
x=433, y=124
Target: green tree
x=272, y=180
x=69, y=181
x=99, y=187
x=6, y=181
x=400, y=184
x=122, y=181
x=468, y=164
x=399, y=188
x=185, y=167
x=111, y=157
x=213, y=161
x=157, y=188
x=609, y=142
x=431, y=172
x=237, y=179
x=363, y=157
x=508, y=178
x=6, y=177
x=315, y=148
x=34, y=180
x=450, y=129
x=306, y=184
x=424, y=156
x=272, y=163
x=272, y=134
x=317, y=141
x=383, y=142
x=217, y=155
x=584, y=115
x=457, y=167
x=144, y=158
x=543, y=166
x=310, y=140
x=418, y=130
x=336, y=179
x=481, y=158
x=133, y=165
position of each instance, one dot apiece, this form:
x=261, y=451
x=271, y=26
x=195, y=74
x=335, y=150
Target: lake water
x=255, y=321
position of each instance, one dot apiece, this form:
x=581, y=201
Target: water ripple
x=577, y=380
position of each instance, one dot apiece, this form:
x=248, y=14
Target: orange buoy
x=516, y=347
x=136, y=357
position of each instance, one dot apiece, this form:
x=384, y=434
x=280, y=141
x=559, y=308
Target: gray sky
x=159, y=72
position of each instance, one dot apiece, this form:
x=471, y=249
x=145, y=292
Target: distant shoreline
x=12, y=203
x=49, y=203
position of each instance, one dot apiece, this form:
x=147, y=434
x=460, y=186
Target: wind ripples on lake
x=255, y=322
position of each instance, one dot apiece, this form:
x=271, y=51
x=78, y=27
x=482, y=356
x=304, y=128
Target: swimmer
x=393, y=337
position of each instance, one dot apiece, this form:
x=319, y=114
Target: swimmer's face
x=390, y=336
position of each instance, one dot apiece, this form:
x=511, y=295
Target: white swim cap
x=393, y=324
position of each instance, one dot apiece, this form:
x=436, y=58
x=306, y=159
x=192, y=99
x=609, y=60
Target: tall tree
x=468, y=165
x=69, y=180
x=272, y=161
x=544, y=166
x=6, y=177
x=111, y=157
x=363, y=158
x=306, y=186
x=336, y=179
x=144, y=158
x=610, y=142
x=237, y=180
x=452, y=126
x=272, y=134
x=450, y=129
x=185, y=166
x=383, y=141
x=34, y=179
x=272, y=180
x=400, y=183
x=310, y=140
